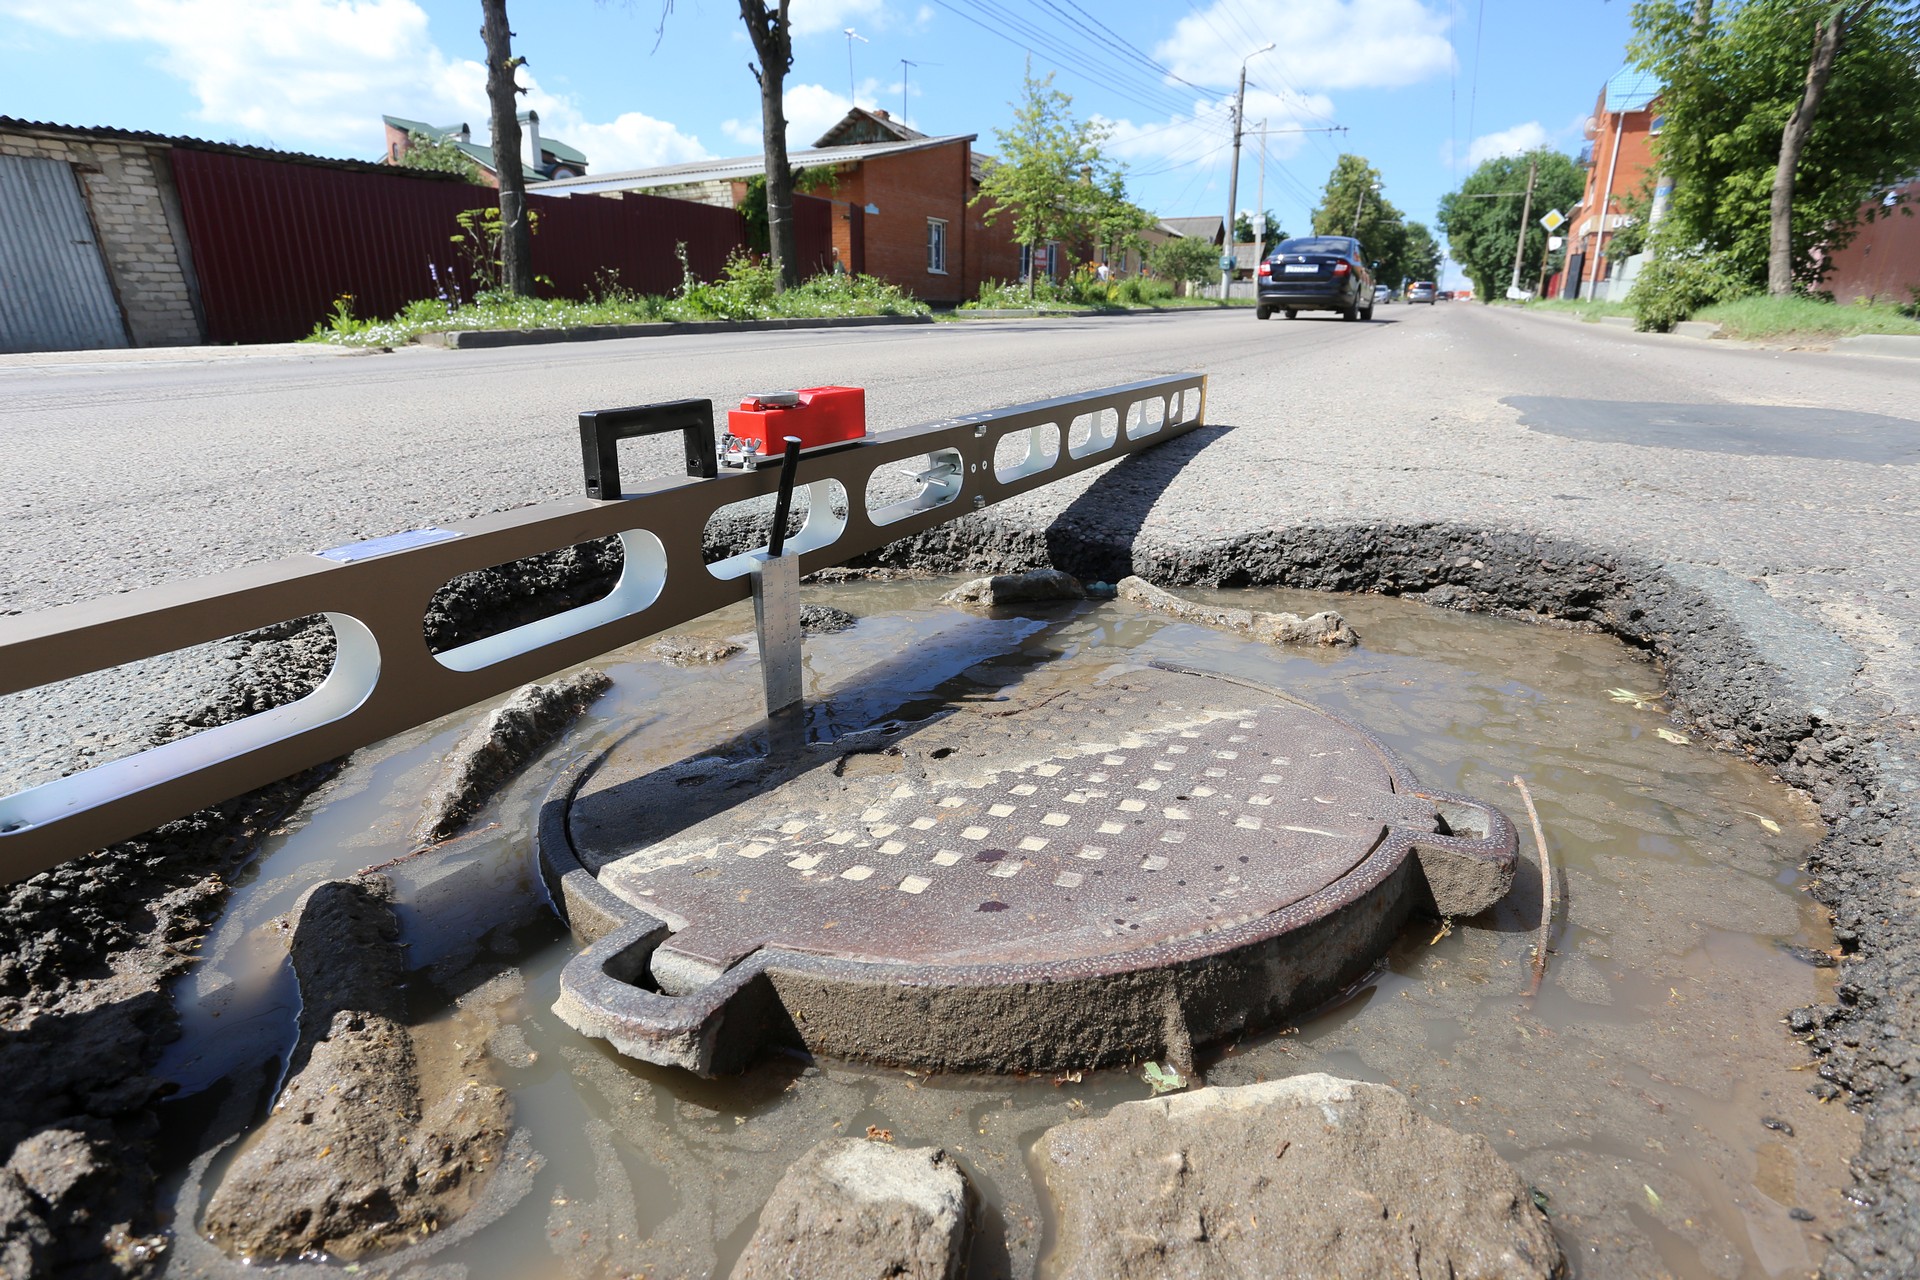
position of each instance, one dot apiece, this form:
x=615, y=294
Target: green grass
x=1765, y=318
x=745, y=291
x=1584, y=308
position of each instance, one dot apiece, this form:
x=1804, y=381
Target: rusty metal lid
x=1159, y=818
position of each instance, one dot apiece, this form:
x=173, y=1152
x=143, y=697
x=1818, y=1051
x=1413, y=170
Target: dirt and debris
x=502, y=744
x=1324, y=628
x=363, y=1149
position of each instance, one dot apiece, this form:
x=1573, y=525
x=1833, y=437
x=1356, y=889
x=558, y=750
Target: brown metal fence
x=274, y=244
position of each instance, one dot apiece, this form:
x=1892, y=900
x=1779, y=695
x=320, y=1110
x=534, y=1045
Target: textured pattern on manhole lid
x=1215, y=807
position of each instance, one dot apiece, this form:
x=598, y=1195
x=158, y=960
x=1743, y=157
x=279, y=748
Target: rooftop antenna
x=904, y=64
x=852, y=35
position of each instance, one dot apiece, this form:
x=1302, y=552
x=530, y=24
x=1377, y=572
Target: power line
x=1154, y=173
x=1139, y=53
x=1088, y=66
x=1473, y=94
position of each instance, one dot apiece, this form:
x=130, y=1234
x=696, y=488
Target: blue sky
x=1424, y=88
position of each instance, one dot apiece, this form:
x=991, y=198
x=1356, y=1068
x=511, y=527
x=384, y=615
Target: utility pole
x=1233, y=177
x=1526, y=211
x=1360, y=208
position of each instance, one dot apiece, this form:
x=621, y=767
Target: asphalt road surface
x=1761, y=504
x=1796, y=470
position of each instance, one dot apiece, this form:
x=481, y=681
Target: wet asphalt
x=1796, y=473
x=1747, y=515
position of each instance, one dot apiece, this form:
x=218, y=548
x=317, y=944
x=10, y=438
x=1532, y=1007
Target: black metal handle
x=789, y=468
x=601, y=430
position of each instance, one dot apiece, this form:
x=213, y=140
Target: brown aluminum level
x=1097, y=877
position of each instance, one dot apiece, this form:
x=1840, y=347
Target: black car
x=1316, y=273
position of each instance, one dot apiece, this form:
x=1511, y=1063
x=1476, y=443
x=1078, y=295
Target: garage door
x=54, y=292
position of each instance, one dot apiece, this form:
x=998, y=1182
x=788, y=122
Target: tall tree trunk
x=773, y=43
x=516, y=235
x=1793, y=139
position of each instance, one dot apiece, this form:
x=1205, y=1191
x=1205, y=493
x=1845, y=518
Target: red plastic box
x=824, y=415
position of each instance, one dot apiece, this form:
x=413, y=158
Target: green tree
x=1243, y=232
x=1353, y=204
x=771, y=33
x=439, y=155
x=1419, y=259
x=1482, y=219
x=1185, y=260
x=1051, y=178
x=1827, y=88
x=753, y=206
x=1116, y=221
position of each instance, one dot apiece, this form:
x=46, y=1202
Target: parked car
x=1421, y=291
x=1316, y=273
x=1382, y=294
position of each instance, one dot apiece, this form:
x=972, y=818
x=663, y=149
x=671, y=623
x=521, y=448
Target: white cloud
x=812, y=109
x=812, y=17
x=1507, y=142
x=320, y=73
x=628, y=141
x=1322, y=44
x=1207, y=129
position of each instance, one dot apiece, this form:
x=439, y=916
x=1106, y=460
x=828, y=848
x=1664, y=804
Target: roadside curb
x=1697, y=329
x=478, y=339
x=1115, y=313
x=1900, y=345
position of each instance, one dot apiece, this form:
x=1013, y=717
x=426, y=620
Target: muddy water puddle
x=1649, y=1091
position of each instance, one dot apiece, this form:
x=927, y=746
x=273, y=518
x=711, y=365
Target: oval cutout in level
x=346, y=687
x=1089, y=433
x=1025, y=452
x=643, y=572
x=940, y=475
x=819, y=508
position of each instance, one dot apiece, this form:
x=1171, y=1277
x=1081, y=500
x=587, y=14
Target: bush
x=745, y=291
x=1675, y=283
x=1014, y=295
x=1139, y=291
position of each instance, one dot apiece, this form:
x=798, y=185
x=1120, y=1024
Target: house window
x=937, y=246
x=1036, y=263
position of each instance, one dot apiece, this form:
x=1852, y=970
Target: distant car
x=1382, y=295
x=1445, y=295
x=1421, y=291
x=1316, y=273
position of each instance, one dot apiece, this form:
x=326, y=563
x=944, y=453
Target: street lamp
x=1233, y=179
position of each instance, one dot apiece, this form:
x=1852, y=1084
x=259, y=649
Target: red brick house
x=556, y=158
x=1619, y=156
x=900, y=202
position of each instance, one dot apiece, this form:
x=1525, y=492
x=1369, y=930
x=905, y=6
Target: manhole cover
x=1084, y=877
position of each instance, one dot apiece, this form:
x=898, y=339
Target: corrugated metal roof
x=695, y=171
x=46, y=128
x=1204, y=228
x=1631, y=90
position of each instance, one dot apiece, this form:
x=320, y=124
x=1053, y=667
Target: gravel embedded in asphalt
x=1777, y=586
